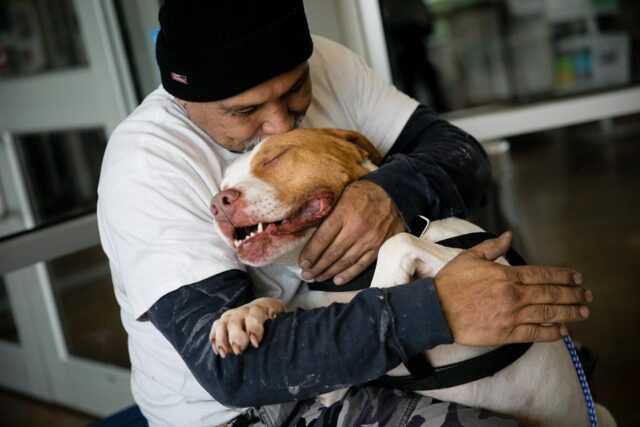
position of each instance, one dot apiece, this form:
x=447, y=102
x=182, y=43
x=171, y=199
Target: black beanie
x=209, y=50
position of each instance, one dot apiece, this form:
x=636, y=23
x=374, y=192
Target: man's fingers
x=547, y=313
x=348, y=258
x=345, y=276
x=492, y=249
x=334, y=254
x=550, y=294
x=536, y=333
x=319, y=242
x=538, y=275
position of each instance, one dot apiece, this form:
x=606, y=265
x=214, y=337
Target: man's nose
x=224, y=203
x=278, y=120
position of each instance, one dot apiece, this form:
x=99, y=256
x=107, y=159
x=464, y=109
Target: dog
x=271, y=201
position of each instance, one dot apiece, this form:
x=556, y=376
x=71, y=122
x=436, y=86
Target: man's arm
x=302, y=354
x=307, y=353
x=433, y=169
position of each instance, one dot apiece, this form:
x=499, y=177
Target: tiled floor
x=19, y=411
x=573, y=198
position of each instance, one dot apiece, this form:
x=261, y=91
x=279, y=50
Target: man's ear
x=357, y=139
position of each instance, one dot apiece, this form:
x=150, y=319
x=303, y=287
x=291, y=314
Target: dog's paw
x=241, y=326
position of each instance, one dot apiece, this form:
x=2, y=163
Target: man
x=236, y=71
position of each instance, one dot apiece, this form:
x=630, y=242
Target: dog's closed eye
x=272, y=158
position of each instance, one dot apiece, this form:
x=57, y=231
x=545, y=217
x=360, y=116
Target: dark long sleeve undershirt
x=305, y=353
x=433, y=169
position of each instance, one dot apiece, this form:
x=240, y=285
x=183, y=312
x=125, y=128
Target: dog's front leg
x=241, y=326
x=404, y=257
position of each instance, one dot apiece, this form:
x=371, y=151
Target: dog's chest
x=275, y=281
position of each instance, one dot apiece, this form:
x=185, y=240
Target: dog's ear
x=357, y=139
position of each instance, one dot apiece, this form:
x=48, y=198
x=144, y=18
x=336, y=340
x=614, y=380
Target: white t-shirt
x=158, y=176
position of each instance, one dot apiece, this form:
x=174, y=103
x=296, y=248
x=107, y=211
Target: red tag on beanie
x=181, y=78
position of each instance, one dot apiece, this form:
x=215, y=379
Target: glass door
x=552, y=89
x=499, y=68
x=64, y=86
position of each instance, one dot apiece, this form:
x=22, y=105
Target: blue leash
x=582, y=378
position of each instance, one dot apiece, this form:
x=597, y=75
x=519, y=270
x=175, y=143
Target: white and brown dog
x=271, y=200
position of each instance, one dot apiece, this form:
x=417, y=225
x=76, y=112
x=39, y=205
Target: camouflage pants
x=373, y=406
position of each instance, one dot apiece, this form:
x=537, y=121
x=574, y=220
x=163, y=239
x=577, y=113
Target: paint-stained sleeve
x=433, y=169
x=303, y=353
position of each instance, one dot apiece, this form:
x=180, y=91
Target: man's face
x=273, y=107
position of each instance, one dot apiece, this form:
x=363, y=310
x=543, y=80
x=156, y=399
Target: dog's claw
x=254, y=340
x=255, y=313
x=236, y=349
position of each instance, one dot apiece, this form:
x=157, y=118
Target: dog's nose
x=229, y=196
x=224, y=202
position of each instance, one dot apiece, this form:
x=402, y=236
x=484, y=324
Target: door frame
x=98, y=95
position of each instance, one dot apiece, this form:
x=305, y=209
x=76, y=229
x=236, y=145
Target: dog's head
x=272, y=198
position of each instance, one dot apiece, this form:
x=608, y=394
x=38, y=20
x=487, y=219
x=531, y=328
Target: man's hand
x=347, y=241
x=486, y=303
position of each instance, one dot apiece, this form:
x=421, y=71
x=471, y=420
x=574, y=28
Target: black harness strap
x=362, y=281
x=466, y=241
x=423, y=375
x=426, y=377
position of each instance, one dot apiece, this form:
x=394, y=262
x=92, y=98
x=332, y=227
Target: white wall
x=355, y=23
x=323, y=19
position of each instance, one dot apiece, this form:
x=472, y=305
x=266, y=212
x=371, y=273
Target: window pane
x=87, y=307
x=8, y=330
x=455, y=54
x=57, y=178
x=571, y=197
x=38, y=36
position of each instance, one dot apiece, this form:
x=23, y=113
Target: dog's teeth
x=236, y=243
x=259, y=227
